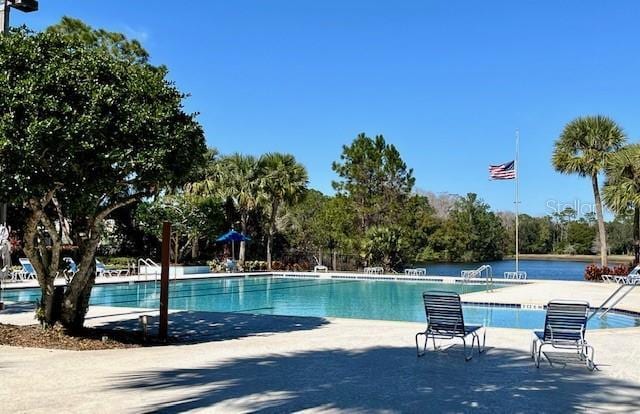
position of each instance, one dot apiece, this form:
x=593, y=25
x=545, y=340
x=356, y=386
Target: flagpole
x=517, y=167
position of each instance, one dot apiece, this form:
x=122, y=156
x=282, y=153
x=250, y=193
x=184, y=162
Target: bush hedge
x=593, y=273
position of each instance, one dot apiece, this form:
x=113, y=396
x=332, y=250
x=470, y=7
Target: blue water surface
x=536, y=269
x=396, y=301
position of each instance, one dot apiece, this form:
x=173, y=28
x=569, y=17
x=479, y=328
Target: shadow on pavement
x=384, y=379
x=194, y=327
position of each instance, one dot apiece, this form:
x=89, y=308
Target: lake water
x=536, y=269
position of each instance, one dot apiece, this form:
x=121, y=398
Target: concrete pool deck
x=249, y=363
x=540, y=292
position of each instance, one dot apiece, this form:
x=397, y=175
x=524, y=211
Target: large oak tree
x=87, y=126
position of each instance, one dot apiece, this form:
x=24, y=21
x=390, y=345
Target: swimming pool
x=396, y=301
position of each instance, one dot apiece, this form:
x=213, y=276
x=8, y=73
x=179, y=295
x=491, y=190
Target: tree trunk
x=334, y=260
x=269, y=239
x=44, y=259
x=244, y=218
x=69, y=306
x=601, y=229
x=183, y=250
x=195, y=248
x=271, y=232
x=636, y=235
x=176, y=246
x=76, y=297
x=49, y=308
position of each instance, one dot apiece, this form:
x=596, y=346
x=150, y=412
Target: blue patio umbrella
x=232, y=236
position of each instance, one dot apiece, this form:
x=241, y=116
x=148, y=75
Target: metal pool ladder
x=149, y=264
x=484, y=270
x=613, y=300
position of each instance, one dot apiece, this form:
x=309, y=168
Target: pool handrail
x=610, y=302
x=148, y=263
x=486, y=269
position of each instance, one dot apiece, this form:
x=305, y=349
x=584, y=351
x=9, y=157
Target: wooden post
x=164, y=281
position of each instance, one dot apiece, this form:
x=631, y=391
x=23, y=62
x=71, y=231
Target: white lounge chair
x=633, y=278
x=375, y=270
x=102, y=270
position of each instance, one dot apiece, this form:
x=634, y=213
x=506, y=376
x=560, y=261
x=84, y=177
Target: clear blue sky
x=447, y=82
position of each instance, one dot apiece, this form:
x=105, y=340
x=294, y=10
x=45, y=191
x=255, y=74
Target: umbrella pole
x=233, y=250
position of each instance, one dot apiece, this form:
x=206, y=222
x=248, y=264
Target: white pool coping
x=311, y=275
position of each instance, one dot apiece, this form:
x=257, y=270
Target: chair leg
x=424, y=349
x=468, y=356
x=482, y=348
x=539, y=354
x=590, y=359
x=433, y=337
x=533, y=349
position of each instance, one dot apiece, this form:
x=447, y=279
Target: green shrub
x=119, y=262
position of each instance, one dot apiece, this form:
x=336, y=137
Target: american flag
x=506, y=171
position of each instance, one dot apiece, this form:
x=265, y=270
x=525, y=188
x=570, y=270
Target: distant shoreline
x=616, y=259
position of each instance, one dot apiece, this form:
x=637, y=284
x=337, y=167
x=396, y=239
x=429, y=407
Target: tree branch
x=56, y=244
x=109, y=209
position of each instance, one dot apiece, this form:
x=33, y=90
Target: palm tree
x=234, y=177
x=583, y=148
x=622, y=188
x=283, y=182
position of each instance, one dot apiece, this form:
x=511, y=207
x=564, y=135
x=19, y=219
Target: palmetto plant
x=583, y=148
x=622, y=188
x=283, y=181
x=384, y=246
x=234, y=177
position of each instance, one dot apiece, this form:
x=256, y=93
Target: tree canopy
x=622, y=188
x=375, y=177
x=84, y=131
x=283, y=181
x=583, y=148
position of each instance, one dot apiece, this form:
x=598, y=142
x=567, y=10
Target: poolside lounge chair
x=632, y=278
x=564, y=328
x=102, y=270
x=231, y=266
x=376, y=270
x=27, y=272
x=72, y=267
x=446, y=321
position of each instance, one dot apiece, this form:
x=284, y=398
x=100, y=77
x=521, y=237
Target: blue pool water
x=536, y=269
x=397, y=301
